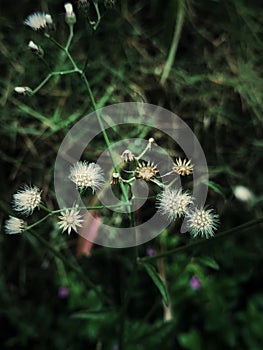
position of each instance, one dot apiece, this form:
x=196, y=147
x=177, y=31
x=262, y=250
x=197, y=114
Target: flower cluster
x=28, y=198
x=173, y=203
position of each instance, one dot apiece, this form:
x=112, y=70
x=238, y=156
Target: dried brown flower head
x=183, y=167
x=146, y=171
x=127, y=156
x=115, y=179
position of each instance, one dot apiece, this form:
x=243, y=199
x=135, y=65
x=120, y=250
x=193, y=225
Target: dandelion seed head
x=87, y=175
x=36, y=21
x=202, y=222
x=70, y=219
x=26, y=199
x=14, y=225
x=183, y=167
x=173, y=203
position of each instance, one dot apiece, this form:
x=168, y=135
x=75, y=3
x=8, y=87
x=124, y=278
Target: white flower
x=27, y=199
x=86, y=175
x=202, y=222
x=70, y=219
x=14, y=225
x=243, y=194
x=173, y=203
x=36, y=21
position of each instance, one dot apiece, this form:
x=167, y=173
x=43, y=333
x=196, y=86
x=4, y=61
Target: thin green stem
x=38, y=222
x=93, y=102
x=104, y=133
x=49, y=76
x=202, y=242
x=176, y=37
x=71, y=34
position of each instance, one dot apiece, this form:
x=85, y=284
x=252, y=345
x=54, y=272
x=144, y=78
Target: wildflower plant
x=171, y=200
x=89, y=179
x=117, y=181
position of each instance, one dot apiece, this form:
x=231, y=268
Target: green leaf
x=216, y=188
x=209, y=262
x=92, y=314
x=157, y=281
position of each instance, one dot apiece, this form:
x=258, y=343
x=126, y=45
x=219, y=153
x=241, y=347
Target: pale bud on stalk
x=23, y=90
x=70, y=17
x=49, y=19
x=35, y=48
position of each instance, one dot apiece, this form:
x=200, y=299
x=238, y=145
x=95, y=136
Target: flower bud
x=23, y=90
x=35, y=48
x=70, y=17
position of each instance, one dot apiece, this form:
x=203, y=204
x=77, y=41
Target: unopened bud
x=70, y=17
x=23, y=90
x=35, y=48
x=49, y=19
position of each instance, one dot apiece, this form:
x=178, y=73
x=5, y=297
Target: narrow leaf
x=92, y=314
x=157, y=281
x=209, y=262
x=216, y=188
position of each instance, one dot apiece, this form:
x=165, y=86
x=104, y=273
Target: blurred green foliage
x=215, y=85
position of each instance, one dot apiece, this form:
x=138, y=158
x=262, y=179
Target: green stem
x=93, y=102
x=176, y=37
x=38, y=222
x=71, y=34
x=201, y=242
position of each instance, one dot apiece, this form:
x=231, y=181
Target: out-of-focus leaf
x=216, y=188
x=209, y=262
x=92, y=314
x=157, y=281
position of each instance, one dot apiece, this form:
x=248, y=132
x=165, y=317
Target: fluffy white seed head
x=173, y=203
x=14, y=225
x=86, y=175
x=26, y=199
x=201, y=222
x=36, y=21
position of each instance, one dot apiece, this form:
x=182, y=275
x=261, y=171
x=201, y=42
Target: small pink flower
x=150, y=251
x=195, y=284
x=63, y=292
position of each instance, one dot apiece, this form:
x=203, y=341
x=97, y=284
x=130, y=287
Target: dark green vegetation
x=214, y=85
